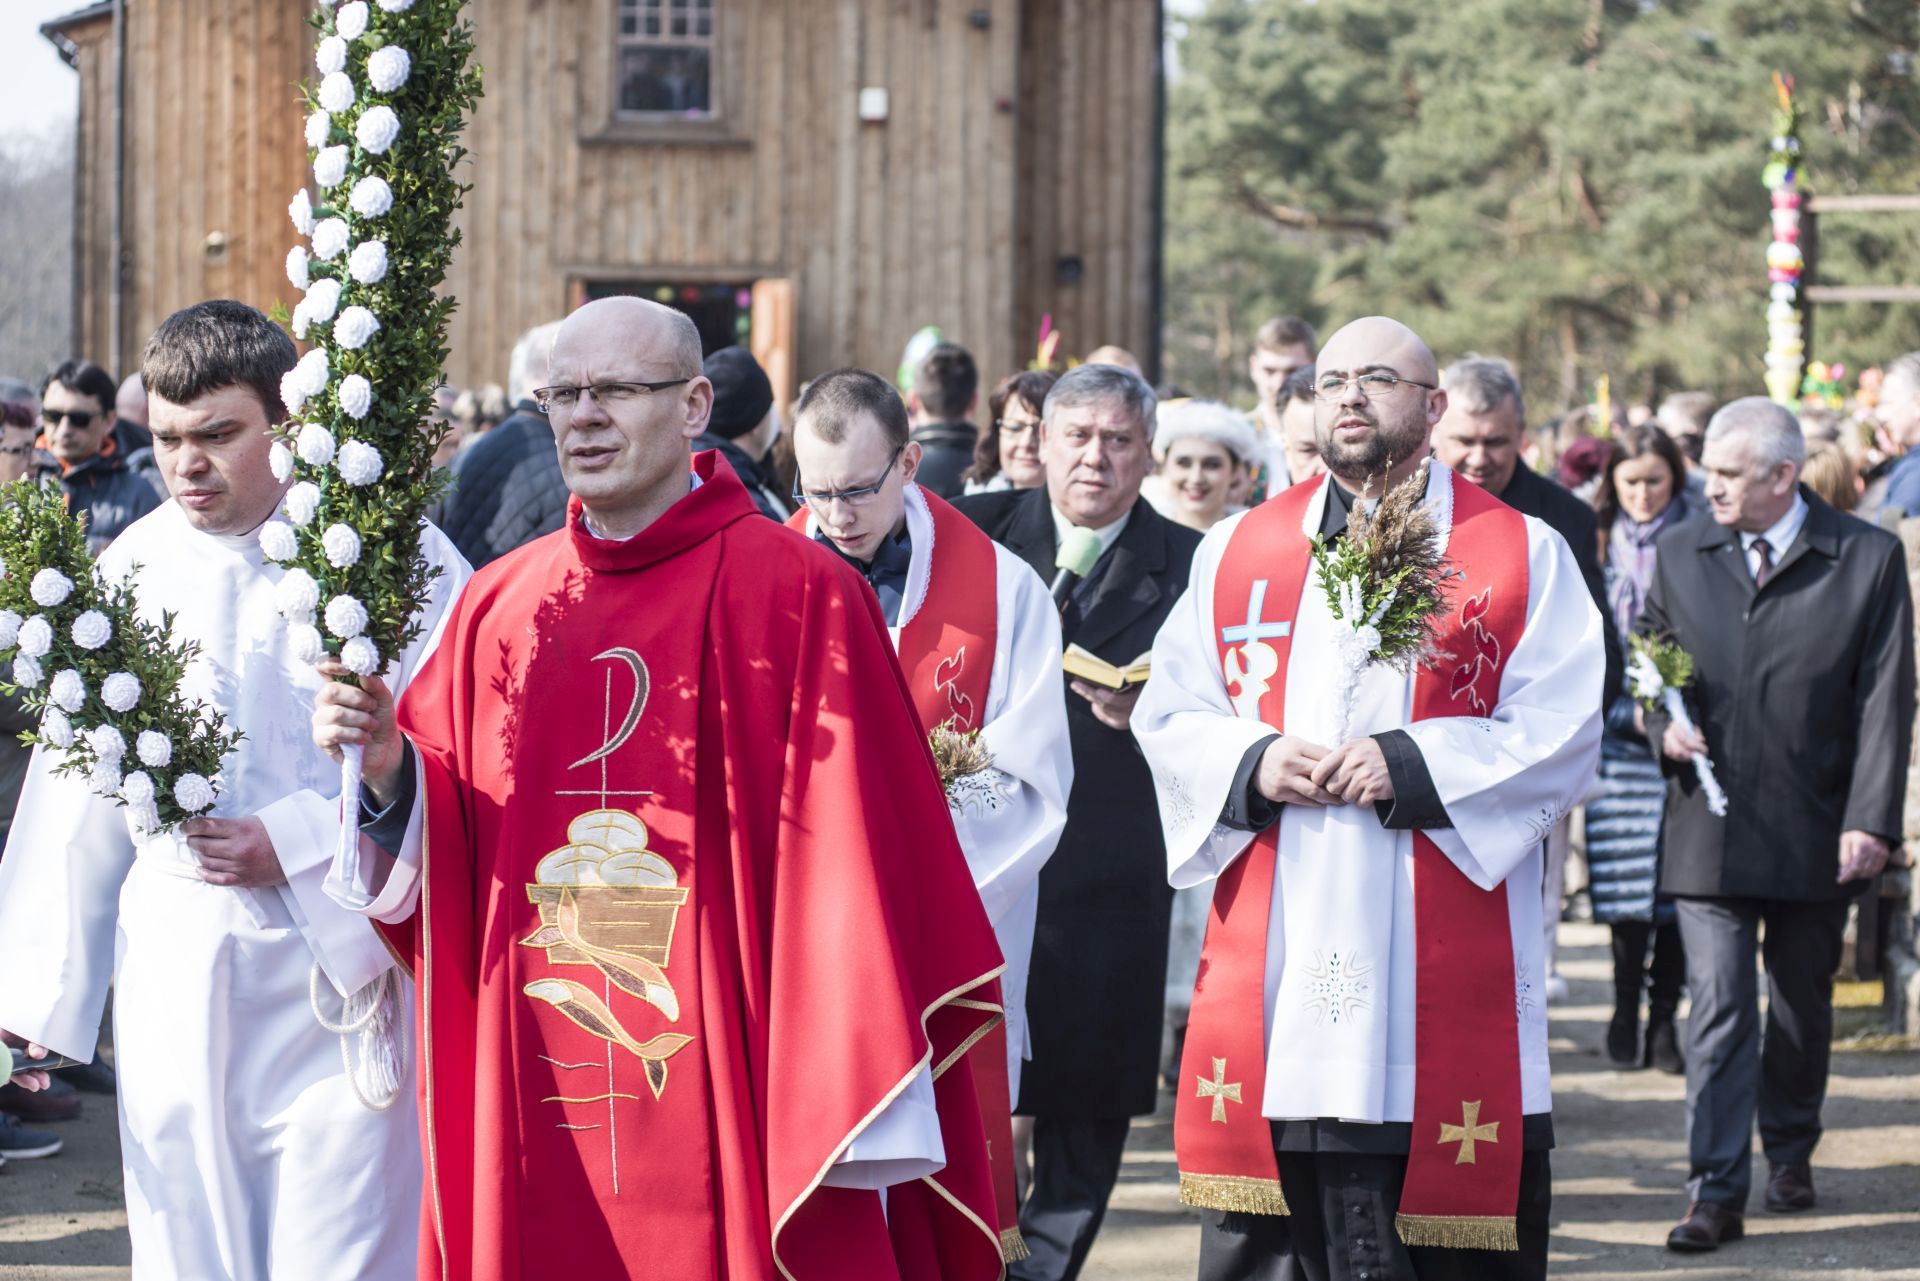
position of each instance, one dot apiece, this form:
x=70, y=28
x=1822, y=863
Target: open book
x=1099, y=671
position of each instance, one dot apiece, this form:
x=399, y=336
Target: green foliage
x=37, y=533
x=1388, y=574
x=1575, y=187
x=1655, y=666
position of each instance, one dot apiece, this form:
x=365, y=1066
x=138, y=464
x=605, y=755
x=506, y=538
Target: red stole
x=1463, y=1171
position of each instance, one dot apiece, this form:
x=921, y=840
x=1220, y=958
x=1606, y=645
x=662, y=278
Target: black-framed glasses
x=1008, y=427
x=820, y=501
x=562, y=397
x=80, y=418
x=1372, y=386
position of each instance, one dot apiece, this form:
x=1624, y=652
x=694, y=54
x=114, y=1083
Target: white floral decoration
x=121, y=691
x=355, y=327
x=193, y=792
x=92, y=630
x=279, y=457
x=297, y=267
x=302, y=501
x=26, y=671
x=330, y=237
x=360, y=463
x=355, y=395
x=301, y=211
x=104, y=777
x=360, y=656
x=342, y=545
x=313, y=371
x=368, y=262
x=388, y=67
x=395, y=6
x=136, y=789
x=56, y=728
x=9, y=628
x=50, y=587
x=351, y=21
x=296, y=593
x=346, y=617
x=322, y=301
x=36, y=637
x=107, y=742
x=336, y=92
x=305, y=643
x=68, y=691
x=371, y=196
x=319, y=129
x=154, y=749
x=377, y=128
x=330, y=55
x=330, y=166
x=278, y=542
x=315, y=445
x=301, y=321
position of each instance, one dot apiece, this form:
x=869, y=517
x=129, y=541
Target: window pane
x=671, y=80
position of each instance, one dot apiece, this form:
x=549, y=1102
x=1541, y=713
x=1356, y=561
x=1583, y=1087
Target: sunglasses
x=80, y=418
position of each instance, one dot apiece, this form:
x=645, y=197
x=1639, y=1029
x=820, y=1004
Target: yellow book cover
x=1089, y=667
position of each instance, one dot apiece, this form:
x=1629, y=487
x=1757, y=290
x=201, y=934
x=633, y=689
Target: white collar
x=1784, y=530
x=1107, y=534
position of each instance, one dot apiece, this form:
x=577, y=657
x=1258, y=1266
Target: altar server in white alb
x=1377, y=906
x=251, y=1152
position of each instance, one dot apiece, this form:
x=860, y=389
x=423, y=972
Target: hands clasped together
x=1295, y=772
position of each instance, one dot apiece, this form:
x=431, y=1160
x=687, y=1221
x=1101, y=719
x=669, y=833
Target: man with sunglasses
x=78, y=447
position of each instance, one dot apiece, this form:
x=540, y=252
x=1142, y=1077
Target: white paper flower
x=299, y=322
x=371, y=196
x=305, y=643
x=377, y=128
x=330, y=238
x=387, y=68
x=368, y=262
x=56, y=728
x=92, y=630
x=104, y=777
x=319, y=129
x=106, y=741
x=9, y=629
x=26, y=671
x=342, y=546
x=36, y=637
x=351, y=21
x=396, y=6
x=315, y=445
x=68, y=691
x=313, y=371
x=136, y=789
x=322, y=301
x=154, y=748
x=336, y=92
x=193, y=792
x=355, y=326
x=50, y=587
x=360, y=463
x=279, y=457
x=360, y=656
x=121, y=691
x=297, y=266
x=330, y=166
x=297, y=593
x=356, y=395
x=346, y=617
x=278, y=542
x=330, y=55
x=302, y=501
x=301, y=211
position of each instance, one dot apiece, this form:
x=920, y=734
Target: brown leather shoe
x=1790, y=1188
x=1707, y=1226
x=58, y=1102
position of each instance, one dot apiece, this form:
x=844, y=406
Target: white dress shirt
x=1779, y=537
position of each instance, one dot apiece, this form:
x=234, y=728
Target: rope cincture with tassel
x=371, y=1015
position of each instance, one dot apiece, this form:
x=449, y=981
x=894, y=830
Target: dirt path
x=1617, y=1177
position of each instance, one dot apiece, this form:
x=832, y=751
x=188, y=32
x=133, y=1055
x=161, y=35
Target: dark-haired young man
x=251, y=1149
x=940, y=405
x=79, y=447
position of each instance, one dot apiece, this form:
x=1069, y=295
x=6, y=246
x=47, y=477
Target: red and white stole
x=1463, y=1171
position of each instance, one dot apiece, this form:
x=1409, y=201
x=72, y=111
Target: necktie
x=1764, y=570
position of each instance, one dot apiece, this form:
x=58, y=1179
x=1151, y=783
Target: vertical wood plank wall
x=1005, y=148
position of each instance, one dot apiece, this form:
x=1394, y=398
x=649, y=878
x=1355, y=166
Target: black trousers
x=1075, y=1163
x=1658, y=977
x=1341, y=1228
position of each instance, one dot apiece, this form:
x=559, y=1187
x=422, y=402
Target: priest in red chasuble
x=697, y=948
x=1364, y=1091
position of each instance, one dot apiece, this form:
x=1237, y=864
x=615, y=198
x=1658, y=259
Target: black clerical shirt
x=887, y=573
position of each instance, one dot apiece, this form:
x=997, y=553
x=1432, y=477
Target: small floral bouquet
x=966, y=766
x=1658, y=671
x=105, y=682
x=1385, y=582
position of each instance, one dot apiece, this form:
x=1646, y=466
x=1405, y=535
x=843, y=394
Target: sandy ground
x=1617, y=1186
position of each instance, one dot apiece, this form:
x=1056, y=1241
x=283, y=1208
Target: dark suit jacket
x=1805, y=691
x=1095, y=997
x=507, y=489
x=946, y=455
x=1532, y=494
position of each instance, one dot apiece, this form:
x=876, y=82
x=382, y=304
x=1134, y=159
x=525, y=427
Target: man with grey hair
x=1096, y=986
x=507, y=488
x=1800, y=624
x=1899, y=418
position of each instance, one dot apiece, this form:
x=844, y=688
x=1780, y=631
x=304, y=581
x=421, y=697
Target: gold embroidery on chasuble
x=1220, y=1090
x=1469, y=1132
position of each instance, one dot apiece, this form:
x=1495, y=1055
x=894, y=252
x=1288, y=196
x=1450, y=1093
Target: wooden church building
x=816, y=179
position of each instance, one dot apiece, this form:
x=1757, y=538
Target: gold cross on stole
x=1219, y=1090
x=1469, y=1132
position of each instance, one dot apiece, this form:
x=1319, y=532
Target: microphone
x=1079, y=552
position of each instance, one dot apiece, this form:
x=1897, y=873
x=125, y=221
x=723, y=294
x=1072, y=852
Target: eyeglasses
x=14, y=451
x=561, y=398
x=851, y=497
x=1372, y=386
x=1009, y=427
x=80, y=418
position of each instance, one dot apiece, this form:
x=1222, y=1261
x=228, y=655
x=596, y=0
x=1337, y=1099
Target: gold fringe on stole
x=1458, y=1231
x=1233, y=1192
x=1013, y=1246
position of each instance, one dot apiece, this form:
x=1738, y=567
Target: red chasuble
x=1463, y=1169
x=693, y=915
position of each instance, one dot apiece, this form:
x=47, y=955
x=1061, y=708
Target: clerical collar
x=1333, y=521
x=1107, y=534
x=887, y=572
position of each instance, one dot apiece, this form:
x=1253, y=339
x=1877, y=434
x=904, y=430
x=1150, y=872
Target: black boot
x=1667, y=975
x=1629, y=977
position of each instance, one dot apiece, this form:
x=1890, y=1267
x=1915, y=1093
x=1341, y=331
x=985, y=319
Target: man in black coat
x=940, y=405
x=507, y=488
x=1096, y=994
x=1800, y=624
x=744, y=424
x=79, y=450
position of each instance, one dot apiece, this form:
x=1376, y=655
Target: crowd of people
x=1105, y=584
